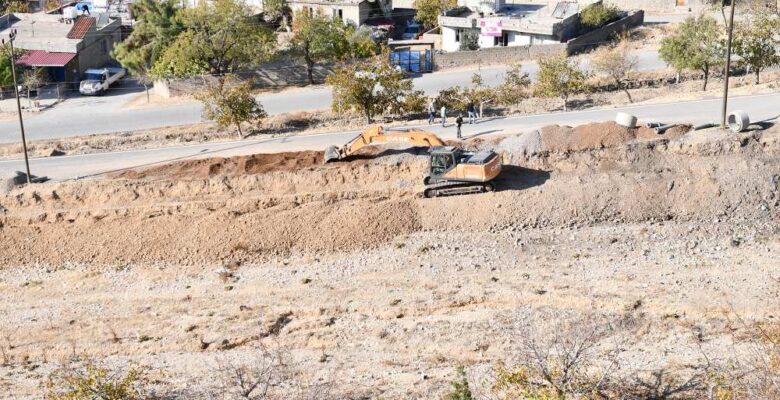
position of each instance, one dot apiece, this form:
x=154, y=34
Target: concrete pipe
x=738, y=121
x=627, y=120
x=653, y=124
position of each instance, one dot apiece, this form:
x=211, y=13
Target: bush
x=93, y=381
x=469, y=40
x=460, y=387
x=598, y=15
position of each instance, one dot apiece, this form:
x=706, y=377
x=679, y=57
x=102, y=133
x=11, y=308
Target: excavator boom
x=377, y=135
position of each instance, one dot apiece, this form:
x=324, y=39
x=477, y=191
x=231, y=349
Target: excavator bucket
x=332, y=153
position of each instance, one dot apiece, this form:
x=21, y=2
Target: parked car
x=97, y=81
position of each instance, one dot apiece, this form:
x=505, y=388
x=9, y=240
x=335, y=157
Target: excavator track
x=450, y=188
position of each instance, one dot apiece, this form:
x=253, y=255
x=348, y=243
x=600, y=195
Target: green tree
x=560, y=77
x=515, y=86
x=361, y=43
x=218, y=37
x=230, y=102
x=319, y=38
x=372, y=87
x=756, y=43
x=13, y=6
x=598, y=15
x=617, y=63
x=428, y=11
x=469, y=40
x=696, y=46
x=157, y=27
x=480, y=93
x=6, y=75
x=274, y=10
x=454, y=98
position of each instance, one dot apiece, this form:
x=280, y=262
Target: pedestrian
x=472, y=113
x=443, y=115
x=459, y=122
x=431, y=112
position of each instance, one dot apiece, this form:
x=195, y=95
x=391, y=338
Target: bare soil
x=368, y=286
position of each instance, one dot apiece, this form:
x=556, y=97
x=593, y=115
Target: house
x=353, y=12
x=497, y=24
x=64, y=47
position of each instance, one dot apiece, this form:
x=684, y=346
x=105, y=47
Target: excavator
x=377, y=135
x=452, y=170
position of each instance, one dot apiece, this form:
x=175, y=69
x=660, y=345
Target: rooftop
x=533, y=17
x=48, y=32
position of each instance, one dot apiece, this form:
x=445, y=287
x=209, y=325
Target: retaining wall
x=495, y=55
x=605, y=33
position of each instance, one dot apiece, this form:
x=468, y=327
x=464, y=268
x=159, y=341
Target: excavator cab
x=443, y=159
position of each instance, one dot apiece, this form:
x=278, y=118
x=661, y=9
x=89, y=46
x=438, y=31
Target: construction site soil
x=599, y=216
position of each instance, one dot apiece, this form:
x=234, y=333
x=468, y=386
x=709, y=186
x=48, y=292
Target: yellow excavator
x=454, y=171
x=377, y=135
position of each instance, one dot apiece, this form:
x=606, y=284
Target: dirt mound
x=599, y=135
x=231, y=166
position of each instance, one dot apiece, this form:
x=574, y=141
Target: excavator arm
x=377, y=135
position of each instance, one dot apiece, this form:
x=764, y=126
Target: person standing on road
x=459, y=122
x=443, y=115
x=472, y=113
x=431, y=112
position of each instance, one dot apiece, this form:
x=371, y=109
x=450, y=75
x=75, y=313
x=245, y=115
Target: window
x=457, y=35
x=501, y=41
x=341, y=14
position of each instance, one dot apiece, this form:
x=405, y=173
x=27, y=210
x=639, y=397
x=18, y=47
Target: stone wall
x=605, y=33
x=659, y=6
x=495, y=55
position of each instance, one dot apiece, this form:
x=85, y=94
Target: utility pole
x=11, y=37
x=728, y=67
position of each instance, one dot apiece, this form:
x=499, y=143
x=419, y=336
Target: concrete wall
x=659, y=6
x=95, y=49
x=352, y=14
x=496, y=55
x=605, y=33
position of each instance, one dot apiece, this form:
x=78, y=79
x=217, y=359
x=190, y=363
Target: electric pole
x=11, y=37
x=728, y=67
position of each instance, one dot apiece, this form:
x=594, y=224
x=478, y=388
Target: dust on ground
x=346, y=267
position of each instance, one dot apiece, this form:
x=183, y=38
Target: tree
x=515, y=86
x=428, y=11
x=616, y=63
x=756, y=43
x=479, y=93
x=560, y=77
x=230, y=102
x=469, y=40
x=274, y=10
x=696, y=46
x=372, y=87
x=156, y=29
x=361, y=42
x=218, y=37
x=598, y=15
x=319, y=38
x=453, y=98
x=13, y=6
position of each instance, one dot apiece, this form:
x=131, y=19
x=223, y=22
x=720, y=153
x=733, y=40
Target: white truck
x=96, y=81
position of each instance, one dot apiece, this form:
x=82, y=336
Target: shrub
x=460, y=387
x=598, y=15
x=93, y=381
x=469, y=40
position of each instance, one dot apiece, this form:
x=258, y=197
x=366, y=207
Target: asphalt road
x=759, y=107
x=110, y=113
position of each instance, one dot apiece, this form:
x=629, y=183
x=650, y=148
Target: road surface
x=759, y=107
x=110, y=113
